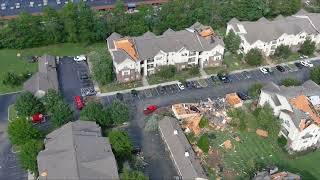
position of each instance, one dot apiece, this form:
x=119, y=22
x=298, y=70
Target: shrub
x=203, y=143
x=11, y=79
x=28, y=155
x=167, y=71
x=121, y=144
x=308, y=47
x=254, y=57
x=290, y=82
x=232, y=42
x=315, y=75
x=283, y=52
x=255, y=89
x=27, y=105
x=282, y=142
x=194, y=70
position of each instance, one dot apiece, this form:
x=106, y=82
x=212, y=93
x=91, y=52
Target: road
x=9, y=164
x=159, y=164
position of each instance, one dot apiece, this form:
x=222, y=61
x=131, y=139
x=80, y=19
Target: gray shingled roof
x=46, y=78
x=111, y=38
x=267, y=31
x=149, y=45
x=188, y=167
x=77, y=151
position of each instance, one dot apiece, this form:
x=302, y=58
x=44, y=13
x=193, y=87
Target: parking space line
x=157, y=91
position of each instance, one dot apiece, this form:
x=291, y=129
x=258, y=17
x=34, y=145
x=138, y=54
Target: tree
x=69, y=15
x=51, y=99
x=119, y=112
x=93, y=111
x=315, y=75
x=266, y=120
x=282, y=51
x=254, y=57
x=61, y=114
x=102, y=67
x=255, y=89
x=238, y=118
x=21, y=131
x=121, y=144
x=132, y=175
x=167, y=71
x=11, y=79
x=85, y=22
x=27, y=105
x=290, y=82
x=53, y=26
x=194, y=70
x=308, y=47
x=203, y=143
x=232, y=41
x=28, y=155
x=204, y=122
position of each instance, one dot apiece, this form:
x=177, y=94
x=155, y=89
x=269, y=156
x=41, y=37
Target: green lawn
x=12, y=112
x=179, y=76
x=10, y=62
x=117, y=87
x=265, y=151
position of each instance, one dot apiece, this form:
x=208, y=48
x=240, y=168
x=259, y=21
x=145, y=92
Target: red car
x=78, y=102
x=37, y=118
x=150, y=109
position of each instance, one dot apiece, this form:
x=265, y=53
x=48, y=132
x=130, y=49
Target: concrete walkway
x=203, y=73
x=145, y=81
x=203, y=76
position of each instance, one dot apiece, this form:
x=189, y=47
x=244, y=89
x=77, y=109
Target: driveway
x=159, y=164
x=9, y=164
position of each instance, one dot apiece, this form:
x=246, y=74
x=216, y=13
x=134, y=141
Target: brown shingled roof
x=302, y=103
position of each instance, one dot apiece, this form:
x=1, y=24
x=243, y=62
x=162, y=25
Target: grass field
x=12, y=112
x=10, y=62
x=253, y=148
x=117, y=87
x=179, y=76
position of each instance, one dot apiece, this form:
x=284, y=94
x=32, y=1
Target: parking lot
x=254, y=76
x=74, y=78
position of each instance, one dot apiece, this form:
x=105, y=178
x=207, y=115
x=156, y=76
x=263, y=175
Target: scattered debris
x=234, y=100
x=262, y=133
x=237, y=139
x=227, y=144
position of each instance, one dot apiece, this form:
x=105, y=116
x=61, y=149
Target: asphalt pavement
x=159, y=163
x=9, y=164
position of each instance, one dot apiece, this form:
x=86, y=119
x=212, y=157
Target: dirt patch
x=229, y=175
x=213, y=158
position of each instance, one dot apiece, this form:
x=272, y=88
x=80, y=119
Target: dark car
x=119, y=96
x=243, y=96
x=213, y=78
x=299, y=65
x=223, y=78
x=196, y=85
x=246, y=74
x=161, y=90
x=280, y=68
x=189, y=85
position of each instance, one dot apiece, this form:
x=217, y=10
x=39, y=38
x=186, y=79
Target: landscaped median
x=16, y=61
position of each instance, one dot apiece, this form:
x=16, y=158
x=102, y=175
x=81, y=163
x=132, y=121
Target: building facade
x=134, y=57
x=298, y=108
x=266, y=35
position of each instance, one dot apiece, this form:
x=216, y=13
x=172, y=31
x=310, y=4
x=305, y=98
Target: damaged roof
x=185, y=160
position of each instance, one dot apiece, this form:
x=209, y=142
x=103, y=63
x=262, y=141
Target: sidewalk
x=203, y=76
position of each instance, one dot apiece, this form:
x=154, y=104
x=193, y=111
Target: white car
x=181, y=86
x=306, y=63
x=80, y=58
x=264, y=70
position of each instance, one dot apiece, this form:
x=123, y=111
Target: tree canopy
x=61, y=114
x=308, y=47
x=51, y=99
x=28, y=155
x=232, y=42
x=94, y=111
x=21, y=131
x=315, y=75
x=119, y=112
x=203, y=143
x=255, y=89
x=121, y=144
x=254, y=57
x=28, y=105
x=290, y=82
x=282, y=51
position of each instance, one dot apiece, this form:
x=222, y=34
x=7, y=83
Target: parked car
x=306, y=63
x=223, y=78
x=150, y=109
x=299, y=65
x=161, y=90
x=246, y=74
x=80, y=58
x=119, y=96
x=78, y=102
x=243, y=96
x=181, y=86
x=38, y=118
x=84, y=75
x=188, y=84
x=280, y=68
x=264, y=70
x=196, y=85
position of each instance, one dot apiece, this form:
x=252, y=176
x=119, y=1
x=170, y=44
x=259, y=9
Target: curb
x=15, y=92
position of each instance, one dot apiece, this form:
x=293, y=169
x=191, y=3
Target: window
x=287, y=123
x=125, y=73
x=150, y=60
x=200, y=53
x=274, y=42
x=184, y=54
x=141, y=62
x=191, y=60
x=158, y=58
x=150, y=66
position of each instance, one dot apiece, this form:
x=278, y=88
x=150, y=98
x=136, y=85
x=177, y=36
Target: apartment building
x=299, y=109
x=134, y=57
x=267, y=35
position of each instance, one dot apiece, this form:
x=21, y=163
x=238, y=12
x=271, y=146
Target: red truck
x=37, y=118
x=150, y=109
x=78, y=102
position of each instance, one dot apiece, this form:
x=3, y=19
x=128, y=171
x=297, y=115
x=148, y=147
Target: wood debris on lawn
x=227, y=144
x=262, y=133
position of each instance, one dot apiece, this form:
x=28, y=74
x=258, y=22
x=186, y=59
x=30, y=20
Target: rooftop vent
x=175, y=132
